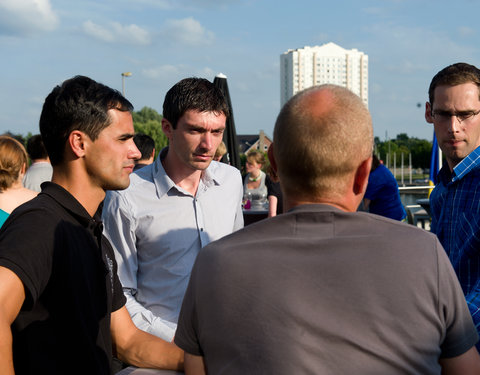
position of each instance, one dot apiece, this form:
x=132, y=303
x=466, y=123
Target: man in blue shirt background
x=453, y=109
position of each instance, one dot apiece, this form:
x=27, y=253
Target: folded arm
x=12, y=295
x=140, y=348
x=194, y=365
x=466, y=364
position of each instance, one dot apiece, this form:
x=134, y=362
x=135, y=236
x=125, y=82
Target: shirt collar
x=164, y=183
x=470, y=162
x=71, y=204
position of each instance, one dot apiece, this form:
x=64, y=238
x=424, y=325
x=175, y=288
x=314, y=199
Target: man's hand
x=140, y=348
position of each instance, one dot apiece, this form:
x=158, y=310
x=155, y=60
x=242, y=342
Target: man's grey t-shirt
x=318, y=290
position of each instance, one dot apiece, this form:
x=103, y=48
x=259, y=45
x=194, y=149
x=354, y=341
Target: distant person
x=454, y=110
x=382, y=196
x=174, y=207
x=220, y=152
x=322, y=289
x=40, y=170
x=146, y=146
x=254, y=182
x=62, y=310
x=274, y=190
x=13, y=163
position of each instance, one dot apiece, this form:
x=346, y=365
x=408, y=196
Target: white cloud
x=187, y=31
x=162, y=72
x=115, y=32
x=466, y=31
x=26, y=17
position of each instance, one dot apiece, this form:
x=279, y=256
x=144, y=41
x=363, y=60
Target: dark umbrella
x=230, y=134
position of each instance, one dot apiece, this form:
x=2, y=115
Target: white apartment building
x=309, y=66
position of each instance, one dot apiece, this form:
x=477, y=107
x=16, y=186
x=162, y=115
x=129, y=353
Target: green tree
x=420, y=149
x=149, y=122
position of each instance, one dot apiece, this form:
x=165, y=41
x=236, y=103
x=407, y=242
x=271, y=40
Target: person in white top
x=40, y=170
x=174, y=207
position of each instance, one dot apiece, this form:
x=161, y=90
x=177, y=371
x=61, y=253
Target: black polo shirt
x=69, y=273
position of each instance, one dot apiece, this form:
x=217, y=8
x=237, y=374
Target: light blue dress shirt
x=157, y=229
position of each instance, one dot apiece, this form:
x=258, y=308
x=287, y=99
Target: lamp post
x=126, y=74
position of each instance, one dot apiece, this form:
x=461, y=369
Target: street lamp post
x=126, y=74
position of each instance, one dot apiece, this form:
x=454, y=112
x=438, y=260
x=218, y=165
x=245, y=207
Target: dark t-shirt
x=273, y=188
x=71, y=286
x=321, y=291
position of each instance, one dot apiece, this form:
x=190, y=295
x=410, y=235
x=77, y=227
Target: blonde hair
x=319, y=144
x=12, y=159
x=257, y=156
x=221, y=150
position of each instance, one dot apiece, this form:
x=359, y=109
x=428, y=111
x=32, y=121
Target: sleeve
x=460, y=332
x=238, y=224
x=270, y=187
x=473, y=303
x=148, y=321
x=29, y=257
x=120, y=229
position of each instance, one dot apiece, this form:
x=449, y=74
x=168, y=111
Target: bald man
x=325, y=289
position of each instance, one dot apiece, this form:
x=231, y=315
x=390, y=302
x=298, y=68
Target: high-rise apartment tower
x=309, y=66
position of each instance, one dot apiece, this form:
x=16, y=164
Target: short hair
x=145, y=145
x=197, y=94
x=257, y=156
x=453, y=75
x=80, y=103
x=36, y=148
x=13, y=157
x=221, y=150
x=316, y=153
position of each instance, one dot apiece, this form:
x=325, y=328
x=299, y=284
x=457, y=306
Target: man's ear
x=361, y=176
x=76, y=143
x=271, y=159
x=428, y=113
x=167, y=127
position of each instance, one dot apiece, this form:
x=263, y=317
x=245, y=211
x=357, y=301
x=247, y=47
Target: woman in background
x=254, y=188
x=13, y=164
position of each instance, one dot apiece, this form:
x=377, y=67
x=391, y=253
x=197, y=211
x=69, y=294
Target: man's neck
x=88, y=196
x=185, y=177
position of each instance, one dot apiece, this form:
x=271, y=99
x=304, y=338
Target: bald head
x=321, y=137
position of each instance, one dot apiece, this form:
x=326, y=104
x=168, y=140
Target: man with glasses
x=453, y=109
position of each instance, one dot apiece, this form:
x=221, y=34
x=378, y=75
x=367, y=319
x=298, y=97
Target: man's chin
x=200, y=165
x=119, y=185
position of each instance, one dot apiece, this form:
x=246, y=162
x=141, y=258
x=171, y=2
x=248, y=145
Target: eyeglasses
x=461, y=116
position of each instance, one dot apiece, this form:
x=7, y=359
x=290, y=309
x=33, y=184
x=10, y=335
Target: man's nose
x=454, y=124
x=133, y=152
x=207, y=140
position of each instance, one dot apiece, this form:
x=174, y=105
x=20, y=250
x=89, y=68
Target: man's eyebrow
x=126, y=136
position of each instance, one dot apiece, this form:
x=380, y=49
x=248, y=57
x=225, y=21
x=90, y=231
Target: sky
x=44, y=42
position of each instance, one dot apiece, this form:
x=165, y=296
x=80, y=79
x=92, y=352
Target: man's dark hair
x=36, y=148
x=453, y=75
x=81, y=104
x=197, y=94
x=145, y=145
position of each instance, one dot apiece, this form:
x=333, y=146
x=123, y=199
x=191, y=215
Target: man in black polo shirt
x=61, y=303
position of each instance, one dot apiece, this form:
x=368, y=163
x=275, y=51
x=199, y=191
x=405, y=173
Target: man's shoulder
x=317, y=225
x=33, y=220
x=223, y=171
